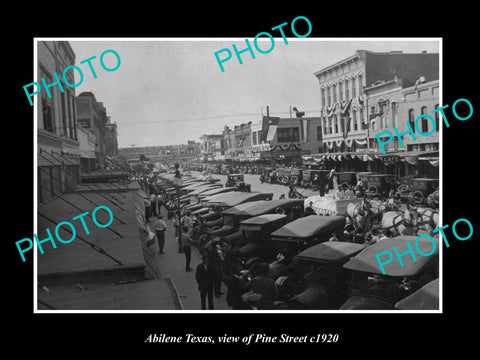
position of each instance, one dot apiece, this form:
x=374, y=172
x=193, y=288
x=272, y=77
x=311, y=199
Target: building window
x=423, y=110
x=330, y=125
x=335, y=120
x=354, y=88
x=354, y=119
x=323, y=97
x=436, y=119
x=319, y=133
x=340, y=90
x=347, y=90
x=64, y=116
x=382, y=108
x=334, y=89
x=329, y=95
x=254, y=138
x=360, y=85
x=361, y=118
x=288, y=135
x=47, y=115
x=394, y=114
x=411, y=119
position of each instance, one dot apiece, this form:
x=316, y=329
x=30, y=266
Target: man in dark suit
x=205, y=276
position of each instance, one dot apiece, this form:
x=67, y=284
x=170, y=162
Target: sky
x=167, y=91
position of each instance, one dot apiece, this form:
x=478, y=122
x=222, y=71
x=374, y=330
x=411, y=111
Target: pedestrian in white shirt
x=160, y=227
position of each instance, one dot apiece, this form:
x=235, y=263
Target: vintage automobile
x=322, y=278
x=283, y=175
x=220, y=202
x=363, y=177
x=299, y=235
x=232, y=216
x=256, y=235
x=237, y=181
x=215, y=191
x=187, y=192
x=296, y=176
x=305, y=232
x=268, y=175
x=194, y=196
x=420, y=188
x=347, y=177
x=293, y=207
x=310, y=175
x=379, y=184
x=370, y=289
x=425, y=298
x=210, y=179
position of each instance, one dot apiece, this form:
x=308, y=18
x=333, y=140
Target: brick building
x=58, y=157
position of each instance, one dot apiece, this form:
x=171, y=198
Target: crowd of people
x=249, y=286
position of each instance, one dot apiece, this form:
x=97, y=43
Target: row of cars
x=374, y=184
x=310, y=271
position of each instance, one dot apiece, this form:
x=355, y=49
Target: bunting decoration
x=284, y=147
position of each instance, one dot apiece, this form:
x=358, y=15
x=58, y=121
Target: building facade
x=162, y=154
x=92, y=115
x=111, y=142
x=212, y=147
x=88, y=160
x=58, y=156
x=344, y=113
x=382, y=100
x=421, y=99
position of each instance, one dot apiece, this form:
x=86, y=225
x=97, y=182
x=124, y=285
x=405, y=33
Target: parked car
x=256, y=233
x=370, y=289
x=379, y=184
x=237, y=181
x=425, y=298
x=324, y=282
x=305, y=232
x=420, y=188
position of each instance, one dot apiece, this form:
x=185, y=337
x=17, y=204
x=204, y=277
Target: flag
x=345, y=116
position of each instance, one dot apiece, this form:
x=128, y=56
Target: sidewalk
x=172, y=265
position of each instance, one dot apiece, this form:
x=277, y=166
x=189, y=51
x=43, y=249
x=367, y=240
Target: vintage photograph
x=236, y=175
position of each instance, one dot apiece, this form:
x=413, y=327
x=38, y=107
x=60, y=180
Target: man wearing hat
x=205, y=275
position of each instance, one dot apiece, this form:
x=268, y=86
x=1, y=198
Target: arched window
x=423, y=110
x=335, y=120
x=354, y=120
x=347, y=90
x=323, y=97
x=334, y=89
x=411, y=119
x=394, y=114
x=360, y=85
x=340, y=91
x=329, y=96
x=354, y=88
